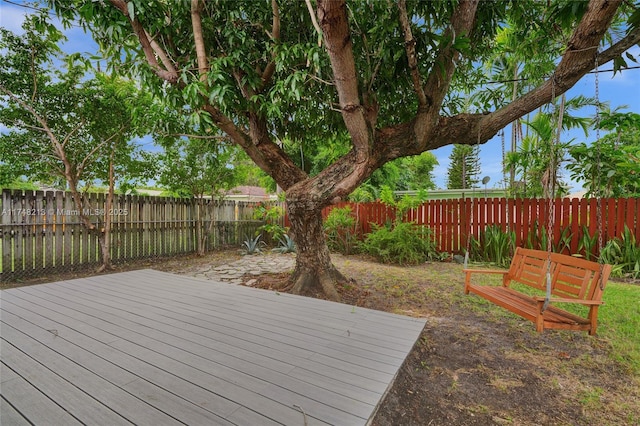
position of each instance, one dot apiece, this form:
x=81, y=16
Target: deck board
x=149, y=347
x=9, y=415
x=268, y=324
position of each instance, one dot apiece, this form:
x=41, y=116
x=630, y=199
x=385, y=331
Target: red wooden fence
x=453, y=220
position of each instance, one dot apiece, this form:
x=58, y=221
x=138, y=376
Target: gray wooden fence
x=41, y=232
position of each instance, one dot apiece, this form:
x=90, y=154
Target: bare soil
x=475, y=364
x=179, y=264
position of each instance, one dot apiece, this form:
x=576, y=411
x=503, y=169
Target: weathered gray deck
x=153, y=348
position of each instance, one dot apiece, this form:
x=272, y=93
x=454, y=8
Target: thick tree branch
x=578, y=59
x=470, y=129
x=170, y=75
x=332, y=16
x=620, y=47
x=201, y=51
x=260, y=148
x=267, y=155
x=410, y=47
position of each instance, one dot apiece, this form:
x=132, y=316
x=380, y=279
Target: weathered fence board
x=42, y=232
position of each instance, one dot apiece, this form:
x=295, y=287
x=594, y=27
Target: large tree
x=464, y=169
x=387, y=75
x=539, y=159
x=190, y=167
x=66, y=125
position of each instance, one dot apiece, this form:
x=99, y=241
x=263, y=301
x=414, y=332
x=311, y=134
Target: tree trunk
x=105, y=250
x=314, y=273
x=201, y=236
x=104, y=238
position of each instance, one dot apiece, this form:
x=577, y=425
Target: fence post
x=6, y=235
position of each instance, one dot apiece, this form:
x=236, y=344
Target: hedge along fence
x=41, y=232
x=452, y=221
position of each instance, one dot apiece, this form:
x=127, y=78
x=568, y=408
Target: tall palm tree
x=539, y=158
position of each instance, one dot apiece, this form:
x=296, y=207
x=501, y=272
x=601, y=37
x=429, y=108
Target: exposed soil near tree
x=477, y=365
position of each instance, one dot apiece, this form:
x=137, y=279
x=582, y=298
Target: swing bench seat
x=573, y=281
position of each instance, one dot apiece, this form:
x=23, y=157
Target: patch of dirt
x=475, y=364
x=179, y=264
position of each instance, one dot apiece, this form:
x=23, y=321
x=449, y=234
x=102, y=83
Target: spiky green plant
x=493, y=245
x=624, y=254
x=286, y=245
x=587, y=243
x=253, y=245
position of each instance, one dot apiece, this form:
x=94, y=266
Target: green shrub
x=340, y=229
x=587, y=243
x=494, y=245
x=403, y=243
x=624, y=254
x=272, y=216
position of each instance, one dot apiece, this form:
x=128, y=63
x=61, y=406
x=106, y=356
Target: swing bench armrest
x=485, y=271
x=468, y=272
x=569, y=300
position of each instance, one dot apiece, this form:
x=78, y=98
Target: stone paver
x=259, y=264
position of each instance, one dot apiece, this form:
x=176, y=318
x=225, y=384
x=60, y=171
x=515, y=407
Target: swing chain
x=598, y=173
x=504, y=178
x=550, y=192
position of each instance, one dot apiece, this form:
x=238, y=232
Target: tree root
x=312, y=282
x=104, y=268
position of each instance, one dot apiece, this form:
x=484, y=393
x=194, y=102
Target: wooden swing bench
x=573, y=280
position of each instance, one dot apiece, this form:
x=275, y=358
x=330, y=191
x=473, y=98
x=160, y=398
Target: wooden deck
x=151, y=348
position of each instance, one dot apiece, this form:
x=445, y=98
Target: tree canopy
x=390, y=78
x=464, y=169
x=65, y=123
x=610, y=167
x=66, y=127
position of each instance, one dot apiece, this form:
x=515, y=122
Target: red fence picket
x=452, y=221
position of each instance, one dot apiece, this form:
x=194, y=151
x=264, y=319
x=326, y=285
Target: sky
x=621, y=89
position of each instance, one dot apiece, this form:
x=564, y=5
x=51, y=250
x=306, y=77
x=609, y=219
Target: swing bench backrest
x=571, y=277
x=573, y=280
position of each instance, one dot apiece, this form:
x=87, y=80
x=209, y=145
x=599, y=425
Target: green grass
x=618, y=318
x=619, y=322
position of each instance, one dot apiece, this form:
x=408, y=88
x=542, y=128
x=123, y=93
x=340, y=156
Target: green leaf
x=631, y=57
